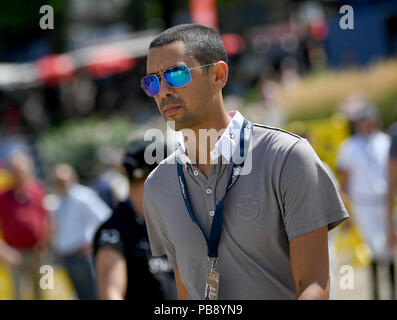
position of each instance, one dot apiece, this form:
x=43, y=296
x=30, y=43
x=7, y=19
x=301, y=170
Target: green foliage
x=77, y=142
x=228, y=3
x=319, y=96
x=387, y=105
x=23, y=15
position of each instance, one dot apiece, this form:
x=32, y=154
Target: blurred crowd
x=34, y=233
x=76, y=224
x=40, y=227
x=58, y=214
x=367, y=183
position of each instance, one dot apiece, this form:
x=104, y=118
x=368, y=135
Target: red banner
x=204, y=12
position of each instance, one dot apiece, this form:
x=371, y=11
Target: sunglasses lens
x=151, y=85
x=177, y=76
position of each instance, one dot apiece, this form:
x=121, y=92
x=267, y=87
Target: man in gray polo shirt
x=276, y=207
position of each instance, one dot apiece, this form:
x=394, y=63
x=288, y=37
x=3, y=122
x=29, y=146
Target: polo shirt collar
x=225, y=146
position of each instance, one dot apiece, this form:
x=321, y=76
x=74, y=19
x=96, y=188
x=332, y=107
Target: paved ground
x=362, y=289
x=347, y=283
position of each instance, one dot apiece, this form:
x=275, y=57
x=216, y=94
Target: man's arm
x=310, y=265
x=182, y=291
x=111, y=270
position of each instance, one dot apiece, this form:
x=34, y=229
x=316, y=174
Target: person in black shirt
x=124, y=266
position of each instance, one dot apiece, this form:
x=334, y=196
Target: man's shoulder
x=119, y=217
x=384, y=136
x=78, y=189
x=275, y=130
x=274, y=138
x=108, y=233
x=112, y=223
x=351, y=143
x=162, y=173
x=85, y=195
x=108, y=224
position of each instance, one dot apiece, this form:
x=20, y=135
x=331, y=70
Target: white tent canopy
x=25, y=75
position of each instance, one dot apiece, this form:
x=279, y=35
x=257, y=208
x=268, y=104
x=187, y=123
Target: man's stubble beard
x=185, y=123
x=188, y=120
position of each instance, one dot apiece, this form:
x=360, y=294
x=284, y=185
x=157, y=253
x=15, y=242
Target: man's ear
x=220, y=72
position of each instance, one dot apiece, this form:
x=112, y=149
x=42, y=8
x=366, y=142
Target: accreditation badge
x=212, y=285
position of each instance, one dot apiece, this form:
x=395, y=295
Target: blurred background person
x=303, y=131
x=362, y=168
x=80, y=213
x=24, y=223
x=392, y=178
x=111, y=185
x=125, y=268
x=67, y=95
x=9, y=255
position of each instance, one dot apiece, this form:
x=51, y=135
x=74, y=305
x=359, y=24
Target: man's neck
x=205, y=137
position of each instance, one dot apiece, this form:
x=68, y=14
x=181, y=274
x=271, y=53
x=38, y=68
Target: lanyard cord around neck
x=216, y=226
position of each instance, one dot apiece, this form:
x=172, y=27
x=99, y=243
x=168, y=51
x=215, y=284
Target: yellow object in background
x=325, y=135
x=351, y=248
x=5, y=180
x=63, y=287
x=6, y=286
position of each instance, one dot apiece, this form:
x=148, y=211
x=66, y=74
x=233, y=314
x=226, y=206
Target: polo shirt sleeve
x=109, y=237
x=309, y=195
x=159, y=241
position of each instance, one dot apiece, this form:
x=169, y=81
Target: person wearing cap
x=362, y=168
x=124, y=265
x=241, y=210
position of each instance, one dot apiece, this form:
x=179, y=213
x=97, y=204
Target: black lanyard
x=216, y=226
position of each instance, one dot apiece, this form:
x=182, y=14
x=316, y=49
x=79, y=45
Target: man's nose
x=165, y=89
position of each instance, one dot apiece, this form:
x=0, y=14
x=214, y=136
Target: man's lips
x=170, y=109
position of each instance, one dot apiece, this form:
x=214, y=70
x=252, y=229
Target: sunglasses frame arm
x=203, y=66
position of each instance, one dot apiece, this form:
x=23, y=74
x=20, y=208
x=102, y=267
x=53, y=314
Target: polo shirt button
x=209, y=191
x=195, y=172
x=212, y=212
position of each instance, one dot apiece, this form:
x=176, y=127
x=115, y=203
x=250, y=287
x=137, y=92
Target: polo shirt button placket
x=211, y=212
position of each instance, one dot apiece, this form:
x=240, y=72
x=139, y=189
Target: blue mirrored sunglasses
x=176, y=77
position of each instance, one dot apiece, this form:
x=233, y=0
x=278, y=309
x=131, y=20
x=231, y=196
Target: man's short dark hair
x=204, y=44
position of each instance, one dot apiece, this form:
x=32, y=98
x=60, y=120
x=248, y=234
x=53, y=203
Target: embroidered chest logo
x=248, y=207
